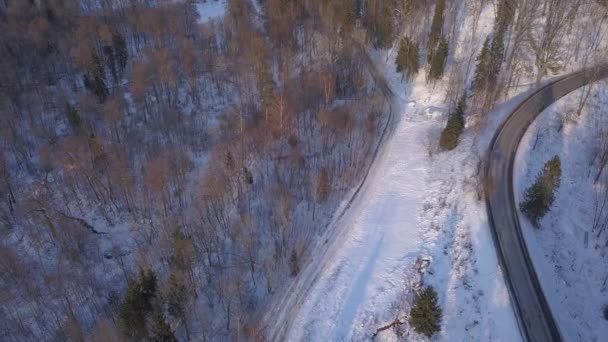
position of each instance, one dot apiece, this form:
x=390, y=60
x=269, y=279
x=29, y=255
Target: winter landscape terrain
x=280, y=170
x=568, y=250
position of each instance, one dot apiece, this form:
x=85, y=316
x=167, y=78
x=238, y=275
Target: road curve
x=534, y=316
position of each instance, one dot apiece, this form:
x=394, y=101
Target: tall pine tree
x=407, y=58
x=451, y=133
x=160, y=330
x=436, y=29
x=138, y=303
x=540, y=196
x=483, y=66
x=384, y=27
x=438, y=59
x=94, y=79
x=177, y=298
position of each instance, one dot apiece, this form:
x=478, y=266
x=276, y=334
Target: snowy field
x=571, y=269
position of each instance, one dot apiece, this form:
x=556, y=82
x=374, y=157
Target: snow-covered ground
x=415, y=209
x=571, y=270
x=369, y=271
x=209, y=10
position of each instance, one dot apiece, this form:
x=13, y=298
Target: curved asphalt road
x=533, y=313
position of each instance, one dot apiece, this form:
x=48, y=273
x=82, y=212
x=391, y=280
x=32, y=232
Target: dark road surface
x=533, y=313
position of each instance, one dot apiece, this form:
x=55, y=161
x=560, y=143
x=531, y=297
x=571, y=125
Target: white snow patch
x=210, y=10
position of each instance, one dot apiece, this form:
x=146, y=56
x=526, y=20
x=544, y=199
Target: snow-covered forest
x=169, y=168
x=135, y=137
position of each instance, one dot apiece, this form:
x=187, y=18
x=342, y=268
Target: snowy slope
x=571, y=270
x=414, y=209
x=369, y=271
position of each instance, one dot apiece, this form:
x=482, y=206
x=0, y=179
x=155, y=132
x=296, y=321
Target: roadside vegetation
x=425, y=316
x=539, y=197
x=450, y=136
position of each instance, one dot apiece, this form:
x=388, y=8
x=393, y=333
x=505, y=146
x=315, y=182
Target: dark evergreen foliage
x=120, y=51
x=160, y=330
x=407, y=58
x=438, y=59
x=425, y=316
x=451, y=133
x=111, y=62
x=177, y=297
x=94, y=80
x=73, y=116
x=497, y=52
x=489, y=61
x=137, y=303
x=483, y=65
x=436, y=29
x=384, y=27
x=540, y=196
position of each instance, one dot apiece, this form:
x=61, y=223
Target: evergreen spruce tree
x=137, y=303
x=96, y=66
x=451, y=133
x=497, y=52
x=436, y=29
x=73, y=116
x=425, y=316
x=489, y=62
x=120, y=51
x=438, y=59
x=94, y=79
x=407, y=58
x=482, y=69
x=148, y=285
x=504, y=15
x=160, y=330
x=111, y=62
x=540, y=196
x=384, y=27
x=177, y=298
x=132, y=311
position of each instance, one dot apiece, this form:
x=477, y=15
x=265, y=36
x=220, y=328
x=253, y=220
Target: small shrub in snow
x=451, y=133
x=425, y=316
x=539, y=197
x=605, y=311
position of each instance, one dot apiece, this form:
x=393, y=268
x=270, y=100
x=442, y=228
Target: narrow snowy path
x=368, y=271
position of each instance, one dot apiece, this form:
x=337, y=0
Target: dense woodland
x=163, y=178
